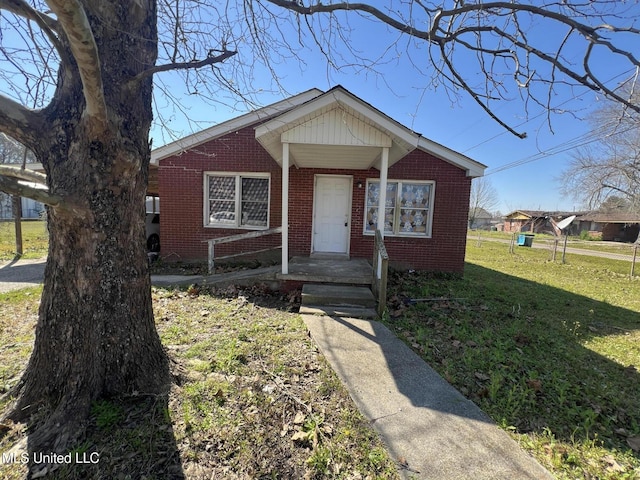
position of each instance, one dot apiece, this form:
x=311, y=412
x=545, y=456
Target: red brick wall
x=181, y=191
x=181, y=180
x=517, y=225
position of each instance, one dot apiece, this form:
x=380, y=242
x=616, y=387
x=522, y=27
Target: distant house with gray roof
x=615, y=227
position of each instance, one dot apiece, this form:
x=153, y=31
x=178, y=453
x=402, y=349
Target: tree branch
x=476, y=98
x=23, y=9
x=23, y=174
x=14, y=186
x=19, y=122
x=210, y=60
x=47, y=24
x=626, y=193
x=362, y=7
x=477, y=19
x=75, y=23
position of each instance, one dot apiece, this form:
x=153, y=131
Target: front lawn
x=550, y=351
x=253, y=398
x=35, y=239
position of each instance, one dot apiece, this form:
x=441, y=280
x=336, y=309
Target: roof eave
x=474, y=169
x=231, y=125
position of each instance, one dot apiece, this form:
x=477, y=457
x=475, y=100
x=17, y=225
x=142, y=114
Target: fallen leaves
x=634, y=443
x=612, y=464
x=535, y=384
x=299, y=418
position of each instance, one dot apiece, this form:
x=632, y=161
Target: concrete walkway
x=431, y=430
x=21, y=273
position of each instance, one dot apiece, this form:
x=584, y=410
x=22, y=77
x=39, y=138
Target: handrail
x=232, y=238
x=380, y=271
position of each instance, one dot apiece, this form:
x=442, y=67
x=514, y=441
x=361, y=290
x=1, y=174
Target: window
x=237, y=201
x=407, y=207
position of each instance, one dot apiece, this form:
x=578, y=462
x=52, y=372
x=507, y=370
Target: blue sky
x=407, y=96
x=412, y=98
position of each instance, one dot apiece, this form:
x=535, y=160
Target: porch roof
x=336, y=130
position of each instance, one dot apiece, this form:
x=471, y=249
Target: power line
x=576, y=142
x=575, y=97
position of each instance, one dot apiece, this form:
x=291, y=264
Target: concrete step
x=337, y=296
x=348, y=312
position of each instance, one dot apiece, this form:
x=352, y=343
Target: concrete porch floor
x=329, y=269
x=316, y=269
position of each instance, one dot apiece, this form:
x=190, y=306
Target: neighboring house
x=30, y=208
x=480, y=219
x=616, y=227
x=323, y=166
x=537, y=221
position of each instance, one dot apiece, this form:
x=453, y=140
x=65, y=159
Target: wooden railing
x=233, y=238
x=380, y=269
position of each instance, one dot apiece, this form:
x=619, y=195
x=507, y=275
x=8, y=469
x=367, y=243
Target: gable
x=353, y=129
x=337, y=127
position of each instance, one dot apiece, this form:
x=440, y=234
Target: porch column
x=285, y=208
x=382, y=200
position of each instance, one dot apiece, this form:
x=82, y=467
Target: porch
x=331, y=285
x=364, y=279
x=329, y=269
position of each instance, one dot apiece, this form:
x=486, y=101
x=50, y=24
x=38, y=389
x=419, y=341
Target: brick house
x=612, y=226
x=321, y=165
x=537, y=221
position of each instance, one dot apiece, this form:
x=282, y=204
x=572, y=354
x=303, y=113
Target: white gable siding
x=337, y=127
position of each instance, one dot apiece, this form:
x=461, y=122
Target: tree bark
x=96, y=335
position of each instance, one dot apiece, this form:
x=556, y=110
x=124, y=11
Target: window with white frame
x=408, y=207
x=236, y=200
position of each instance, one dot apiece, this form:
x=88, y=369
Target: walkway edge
x=430, y=429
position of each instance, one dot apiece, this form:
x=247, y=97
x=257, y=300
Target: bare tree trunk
x=96, y=335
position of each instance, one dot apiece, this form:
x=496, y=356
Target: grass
x=35, y=239
x=547, y=239
x=549, y=351
x=253, y=398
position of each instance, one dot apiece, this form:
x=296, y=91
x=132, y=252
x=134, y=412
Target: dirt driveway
x=21, y=273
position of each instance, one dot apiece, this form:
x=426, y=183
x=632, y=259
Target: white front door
x=332, y=214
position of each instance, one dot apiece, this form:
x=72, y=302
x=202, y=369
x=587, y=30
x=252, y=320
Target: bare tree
x=483, y=197
x=95, y=62
x=533, y=51
x=609, y=167
x=95, y=335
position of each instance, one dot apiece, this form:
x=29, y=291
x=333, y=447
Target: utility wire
x=575, y=97
x=579, y=141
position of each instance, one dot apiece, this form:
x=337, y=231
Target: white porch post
x=382, y=199
x=285, y=208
